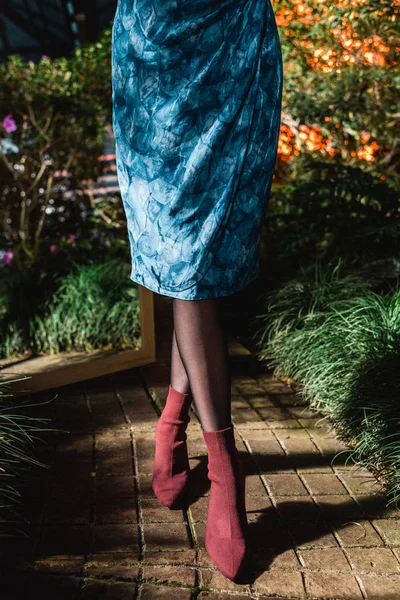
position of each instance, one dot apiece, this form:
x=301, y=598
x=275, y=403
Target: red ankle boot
x=171, y=464
x=226, y=533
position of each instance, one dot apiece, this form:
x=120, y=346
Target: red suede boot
x=171, y=464
x=226, y=533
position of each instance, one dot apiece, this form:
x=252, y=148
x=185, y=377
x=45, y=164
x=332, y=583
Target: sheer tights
x=200, y=360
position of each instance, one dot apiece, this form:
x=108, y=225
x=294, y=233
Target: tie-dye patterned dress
x=197, y=91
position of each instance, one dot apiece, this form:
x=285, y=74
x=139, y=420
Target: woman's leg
x=179, y=378
x=171, y=463
x=203, y=349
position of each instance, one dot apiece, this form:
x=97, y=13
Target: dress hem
x=201, y=296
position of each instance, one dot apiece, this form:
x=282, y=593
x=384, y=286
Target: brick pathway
x=320, y=528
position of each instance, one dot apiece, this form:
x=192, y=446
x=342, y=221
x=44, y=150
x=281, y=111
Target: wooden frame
x=54, y=370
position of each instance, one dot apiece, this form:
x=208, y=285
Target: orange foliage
x=353, y=51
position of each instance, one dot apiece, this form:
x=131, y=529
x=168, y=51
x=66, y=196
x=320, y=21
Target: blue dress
x=196, y=95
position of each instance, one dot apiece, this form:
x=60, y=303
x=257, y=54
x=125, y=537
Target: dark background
x=51, y=27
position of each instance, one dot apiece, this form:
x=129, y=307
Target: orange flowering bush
x=341, y=80
x=336, y=185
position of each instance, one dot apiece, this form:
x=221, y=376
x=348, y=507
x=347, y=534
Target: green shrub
x=336, y=186
x=55, y=115
x=334, y=210
x=341, y=341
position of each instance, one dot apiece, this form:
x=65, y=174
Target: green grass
x=341, y=341
x=95, y=306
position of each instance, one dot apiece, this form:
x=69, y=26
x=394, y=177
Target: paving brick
x=274, y=386
x=314, y=423
x=65, y=539
x=249, y=388
x=258, y=435
x=12, y=583
x=324, y=483
x=145, y=464
x=257, y=506
x=267, y=448
x=163, y=592
x=120, y=486
x=168, y=557
x=335, y=507
x=255, y=486
x=311, y=534
x=274, y=413
x=171, y=536
x=290, y=399
x=133, y=395
x=286, y=584
x=389, y=529
x=115, y=444
x=74, y=424
x=116, y=538
x=283, y=424
x=359, y=484
x=356, y=533
x=381, y=587
x=199, y=528
x=214, y=579
x=270, y=558
x=329, y=446
x=199, y=509
x=144, y=481
x=196, y=448
x=121, y=510
x=113, y=564
x=48, y=587
x=79, y=445
x=340, y=586
x=239, y=403
x=245, y=417
x=154, y=512
x=303, y=412
x=379, y=560
x=223, y=596
x=325, y=559
x=110, y=421
x=270, y=532
x=285, y=485
x=143, y=422
x=261, y=426
x=114, y=465
x=62, y=564
x=73, y=488
x=263, y=401
x=296, y=507
x=64, y=511
x=145, y=444
x=172, y=574
x=375, y=506
x=107, y=590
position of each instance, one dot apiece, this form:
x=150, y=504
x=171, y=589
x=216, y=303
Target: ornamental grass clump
x=94, y=307
x=20, y=434
x=340, y=341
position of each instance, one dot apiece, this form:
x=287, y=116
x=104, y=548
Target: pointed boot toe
x=171, y=492
x=231, y=556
